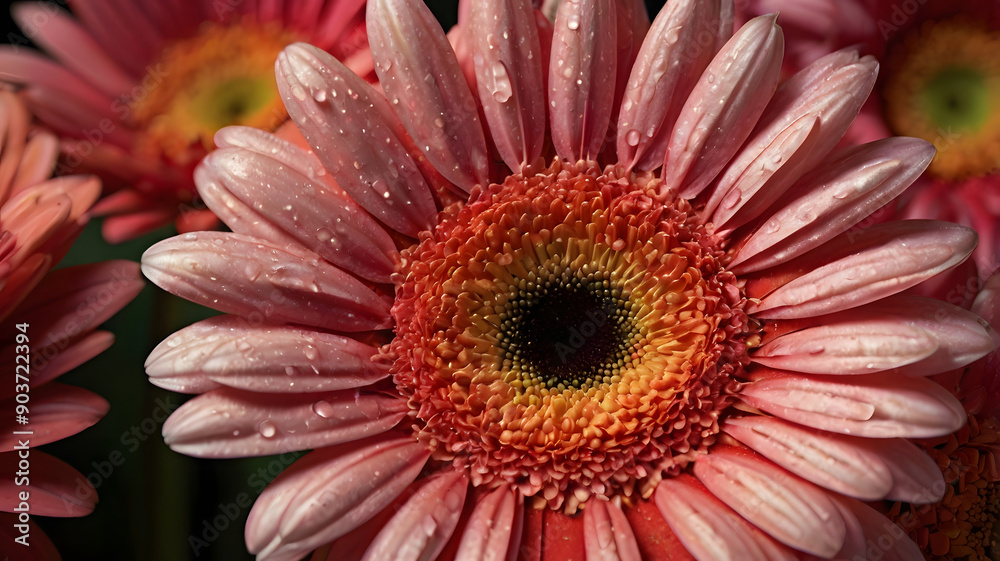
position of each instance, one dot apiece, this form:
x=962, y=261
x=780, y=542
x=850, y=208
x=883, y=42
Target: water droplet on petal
x=573, y=22
x=268, y=429
x=632, y=137
x=502, y=89
x=319, y=95
x=323, y=409
x=299, y=92
x=311, y=352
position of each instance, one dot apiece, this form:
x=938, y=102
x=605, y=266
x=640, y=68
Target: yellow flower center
x=944, y=86
x=222, y=76
x=571, y=332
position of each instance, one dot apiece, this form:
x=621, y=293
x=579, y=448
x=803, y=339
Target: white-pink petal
x=884, y=405
x=313, y=210
x=710, y=530
x=583, y=57
x=232, y=351
x=507, y=56
x=836, y=462
x=329, y=493
x=916, y=477
x=723, y=107
x=792, y=511
x=230, y=423
x=355, y=133
x=916, y=253
x=493, y=531
x=420, y=75
x=423, y=525
x=831, y=89
x=870, y=343
x=666, y=68
x=256, y=279
x=607, y=534
x=828, y=201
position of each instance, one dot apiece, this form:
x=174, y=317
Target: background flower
x=938, y=82
x=50, y=321
x=136, y=90
x=754, y=338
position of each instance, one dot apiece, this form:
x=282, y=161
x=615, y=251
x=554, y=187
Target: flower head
x=136, y=91
x=631, y=312
x=50, y=321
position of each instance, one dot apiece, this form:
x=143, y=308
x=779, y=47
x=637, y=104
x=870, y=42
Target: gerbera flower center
x=222, y=76
x=568, y=332
x=571, y=332
x=944, y=85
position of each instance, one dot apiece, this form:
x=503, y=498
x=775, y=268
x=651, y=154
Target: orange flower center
x=943, y=86
x=571, y=332
x=222, y=76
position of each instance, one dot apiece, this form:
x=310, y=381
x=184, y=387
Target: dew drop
x=252, y=271
x=323, y=409
x=299, y=92
x=319, y=95
x=268, y=429
x=290, y=370
x=190, y=237
x=772, y=226
x=311, y=352
x=439, y=122
x=502, y=89
x=632, y=137
x=573, y=22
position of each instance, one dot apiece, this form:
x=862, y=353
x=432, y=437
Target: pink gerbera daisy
x=940, y=81
x=572, y=293
x=49, y=322
x=136, y=90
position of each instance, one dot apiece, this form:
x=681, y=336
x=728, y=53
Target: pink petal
x=353, y=131
x=709, y=529
x=835, y=197
x=57, y=360
x=505, y=47
x=881, y=537
x=27, y=67
x=831, y=89
x=55, y=489
x=794, y=512
x=723, y=107
x=666, y=69
x=418, y=71
x=253, y=278
x=229, y=423
x=870, y=343
x=37, y=162
x=870, y=273
x=73, y=301
x=779, y=164
x=493, y=532
x=123, y=29
x=64, y=38
x=312, y=210
x=916, y=478
x=607, y=534
x=836, y=462
x=884, y=405
x=960, y=337
x=422, y=527
x=231, y=351
x=330, y=492
x=55, y=411
x=583, y=56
